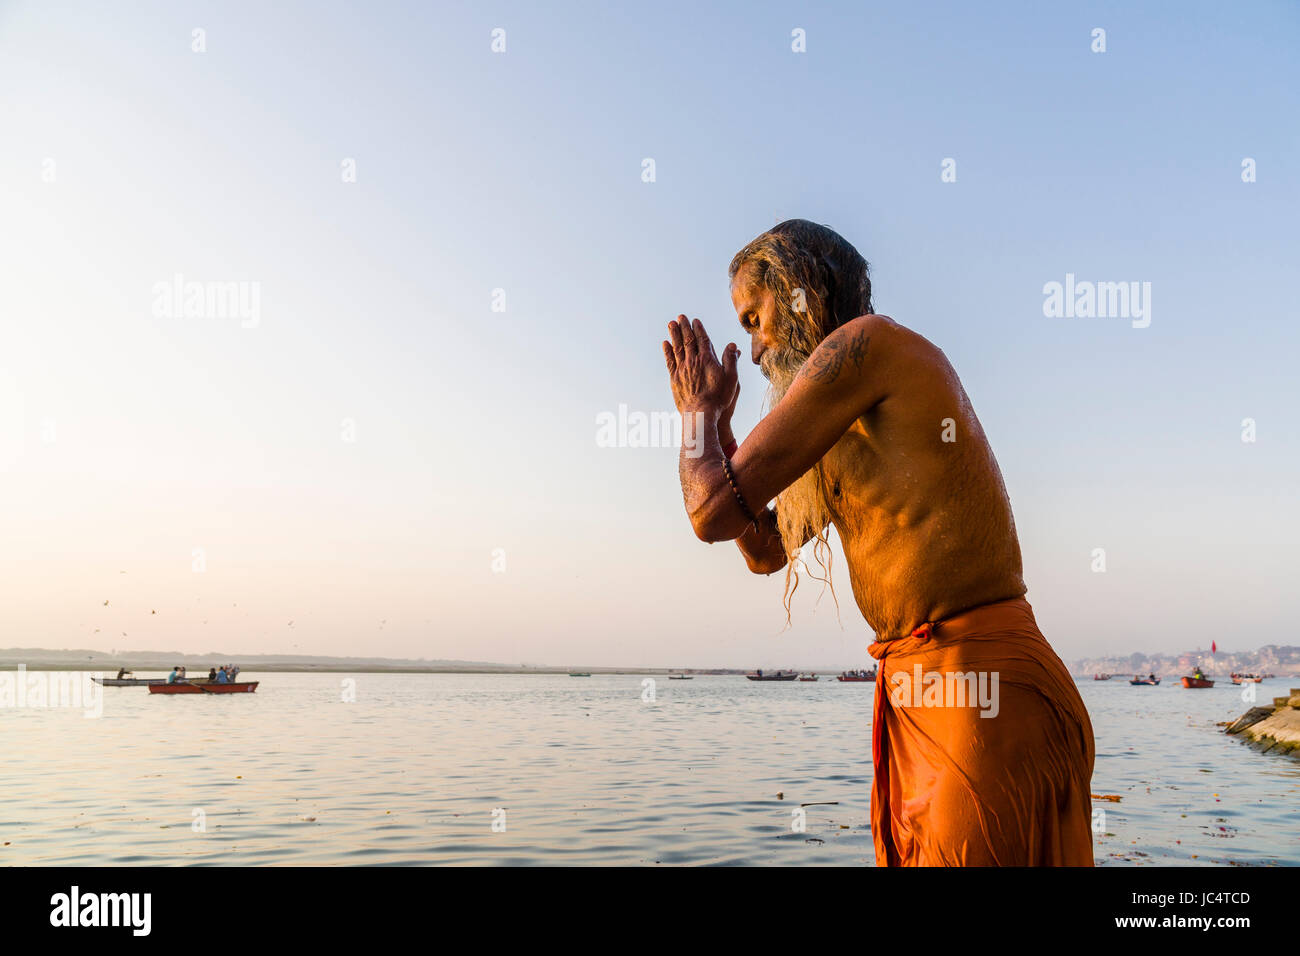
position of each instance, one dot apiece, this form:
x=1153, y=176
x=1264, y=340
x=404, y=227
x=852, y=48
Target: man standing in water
x=871, y=431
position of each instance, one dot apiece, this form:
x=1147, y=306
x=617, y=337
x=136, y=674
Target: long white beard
x=801, y=510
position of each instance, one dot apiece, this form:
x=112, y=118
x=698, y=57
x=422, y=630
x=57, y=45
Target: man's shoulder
x=868, y=324
x=885, y=340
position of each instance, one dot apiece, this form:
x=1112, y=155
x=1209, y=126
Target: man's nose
x=756, y=349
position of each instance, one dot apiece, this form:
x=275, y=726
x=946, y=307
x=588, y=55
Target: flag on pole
x=1213, y=647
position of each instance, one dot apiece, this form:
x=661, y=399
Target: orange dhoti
x=983, y=750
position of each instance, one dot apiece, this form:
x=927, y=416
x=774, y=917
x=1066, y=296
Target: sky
x=454, y=263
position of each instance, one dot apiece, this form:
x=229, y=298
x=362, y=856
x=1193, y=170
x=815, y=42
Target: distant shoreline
x=108, y=668
x=35, y=658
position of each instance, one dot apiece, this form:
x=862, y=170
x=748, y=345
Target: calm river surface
x=581, y=770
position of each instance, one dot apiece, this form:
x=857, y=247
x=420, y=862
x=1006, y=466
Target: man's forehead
x=745, y=284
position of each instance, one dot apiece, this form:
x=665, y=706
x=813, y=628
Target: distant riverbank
x=246, y=668
x=35, y=658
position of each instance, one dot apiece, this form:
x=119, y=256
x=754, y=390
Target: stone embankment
x=1274, y=729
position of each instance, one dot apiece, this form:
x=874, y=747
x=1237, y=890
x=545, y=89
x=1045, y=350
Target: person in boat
x=173, y=676
x=212, y=673
x=870, y=431
x=223, y=677
x=121, y=674
x=234, y=672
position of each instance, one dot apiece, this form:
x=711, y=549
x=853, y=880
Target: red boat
x=1197, y=682
x=246, y=687
x=853, y=679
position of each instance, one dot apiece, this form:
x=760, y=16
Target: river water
x=539, y=769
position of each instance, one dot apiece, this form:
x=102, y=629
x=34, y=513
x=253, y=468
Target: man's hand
x=725, y=435
x=701, y=383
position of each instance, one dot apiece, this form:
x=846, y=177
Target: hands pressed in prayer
x=700, y=382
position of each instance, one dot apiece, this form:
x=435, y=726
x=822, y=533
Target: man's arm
x=761, y=544
x=844, y=377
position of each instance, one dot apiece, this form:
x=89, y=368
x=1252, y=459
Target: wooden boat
x=1197, y=682
x=1143, y=681
x=1101, y=676
x=855, y=679
x=579, y=674
x=1246, y=678
x=792, y=675
x=679, y=677
x=807, y=679
x=128, y=681
x=141, y=681
x=244, y=687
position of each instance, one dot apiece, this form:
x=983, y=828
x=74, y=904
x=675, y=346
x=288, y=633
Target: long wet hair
x=798, y=254
x=818, y=282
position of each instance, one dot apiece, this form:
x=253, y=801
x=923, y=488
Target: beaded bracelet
x=735, y=488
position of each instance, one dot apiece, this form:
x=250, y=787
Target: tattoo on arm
x=826, y=363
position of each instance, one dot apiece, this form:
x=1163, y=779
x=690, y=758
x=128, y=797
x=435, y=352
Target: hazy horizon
x=369, y=459
x=250, y=662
